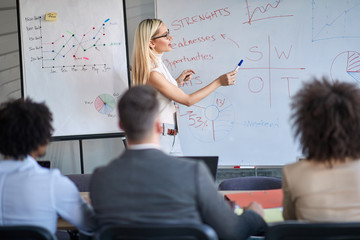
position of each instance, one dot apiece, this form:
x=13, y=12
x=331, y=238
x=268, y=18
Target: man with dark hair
x=31, y=194
x=145, y=185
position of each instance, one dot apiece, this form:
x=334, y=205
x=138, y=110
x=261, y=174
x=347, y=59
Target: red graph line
x=55, y=40
x=262, y=10
x=74, y=54
x=260, y=19
x=92, y=29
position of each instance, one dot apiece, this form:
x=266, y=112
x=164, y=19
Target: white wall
x=9, y=52
x=136, y=11
x=64, y=155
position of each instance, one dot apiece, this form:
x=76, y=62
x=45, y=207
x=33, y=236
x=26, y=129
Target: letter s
x=260, y=54
x=227, y=11
x=176, y=25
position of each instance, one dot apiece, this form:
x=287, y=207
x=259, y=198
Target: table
x=62, y=224
x=271, y=215
x=271, y=201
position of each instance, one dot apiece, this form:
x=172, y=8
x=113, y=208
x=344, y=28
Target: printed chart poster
x=74, y=59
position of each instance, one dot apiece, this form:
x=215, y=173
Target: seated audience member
x=31, y=194
x=145, y=185
x=325, y=186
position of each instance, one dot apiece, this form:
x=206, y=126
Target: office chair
x=82, y=181
x=250, y=183
x=157, y=232
x=313, y=231
x=25, y=233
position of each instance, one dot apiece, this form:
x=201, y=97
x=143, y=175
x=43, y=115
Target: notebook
x=271, y=201
x=210, y=161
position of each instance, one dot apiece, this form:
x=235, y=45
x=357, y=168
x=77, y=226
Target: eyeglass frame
x=161, y=36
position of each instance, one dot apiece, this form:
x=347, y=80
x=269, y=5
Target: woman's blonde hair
x=143, y=56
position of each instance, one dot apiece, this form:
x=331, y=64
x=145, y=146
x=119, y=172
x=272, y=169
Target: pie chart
x=346, y=66
x=105, y=103
x=212, y=119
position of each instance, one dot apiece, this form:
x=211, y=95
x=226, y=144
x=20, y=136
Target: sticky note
x=51, y=16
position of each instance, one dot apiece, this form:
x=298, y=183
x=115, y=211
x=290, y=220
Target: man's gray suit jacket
x=148, y=186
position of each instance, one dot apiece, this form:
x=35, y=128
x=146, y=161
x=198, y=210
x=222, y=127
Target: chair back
x=82, y=181
x=313, y=231
x=250, y=183
x=25, y=233
x=158, y=232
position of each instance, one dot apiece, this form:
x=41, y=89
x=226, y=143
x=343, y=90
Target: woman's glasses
x=166, y=35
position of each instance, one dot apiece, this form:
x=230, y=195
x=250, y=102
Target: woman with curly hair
x=31, y=194
x=326, y=185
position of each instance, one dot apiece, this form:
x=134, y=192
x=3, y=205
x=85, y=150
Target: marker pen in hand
x=238, y=66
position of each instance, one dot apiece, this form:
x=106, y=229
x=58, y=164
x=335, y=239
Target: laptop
x=210, y=161
x=45, y=164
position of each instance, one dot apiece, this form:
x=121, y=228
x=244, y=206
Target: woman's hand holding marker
x=228, y=78
x=233, y=74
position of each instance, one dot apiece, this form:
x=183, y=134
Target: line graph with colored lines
x=76, y=49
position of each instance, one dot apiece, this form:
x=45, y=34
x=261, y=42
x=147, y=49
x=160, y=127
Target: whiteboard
x=282, y=43
x=77, y=64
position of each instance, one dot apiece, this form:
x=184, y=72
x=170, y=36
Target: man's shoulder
x=154, y=157
x=150, y=152
x=153, y=154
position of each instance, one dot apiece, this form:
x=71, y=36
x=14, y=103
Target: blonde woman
x=152, y=39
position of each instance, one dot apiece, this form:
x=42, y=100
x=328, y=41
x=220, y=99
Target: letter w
x=283, y=53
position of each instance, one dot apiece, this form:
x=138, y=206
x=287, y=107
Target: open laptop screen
x=210, y=161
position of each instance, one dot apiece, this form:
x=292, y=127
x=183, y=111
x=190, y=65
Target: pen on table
x=238, y=66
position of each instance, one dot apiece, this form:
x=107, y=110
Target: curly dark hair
x=24, y=126
x=326, y=120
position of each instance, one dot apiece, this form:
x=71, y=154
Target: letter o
x=256, y=84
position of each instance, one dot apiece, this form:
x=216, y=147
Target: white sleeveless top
x=167, y=107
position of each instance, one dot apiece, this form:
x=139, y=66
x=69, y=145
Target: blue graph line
x=329, y=25
x=103, y=25
x=78, y=43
